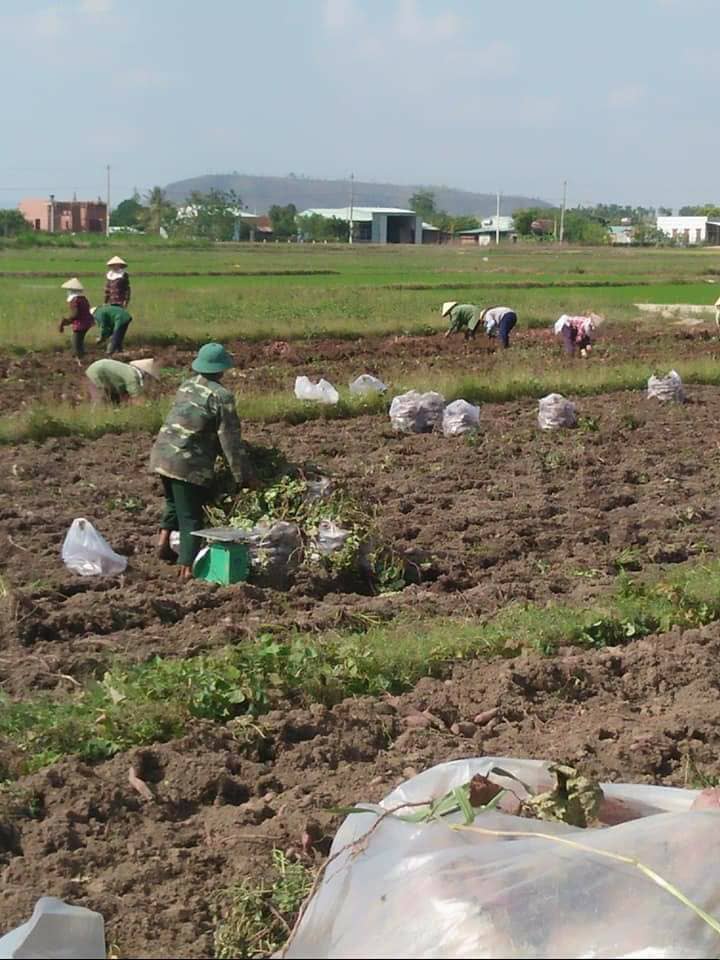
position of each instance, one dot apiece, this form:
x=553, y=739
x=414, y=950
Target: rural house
x=64, y=216
x=489, y=228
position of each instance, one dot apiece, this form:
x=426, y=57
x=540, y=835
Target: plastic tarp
x=427, y=890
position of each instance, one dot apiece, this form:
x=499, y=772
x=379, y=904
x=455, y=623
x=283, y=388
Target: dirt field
x=516, y=515
x=49, y=377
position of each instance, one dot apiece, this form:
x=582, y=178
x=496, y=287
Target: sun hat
x=212, y=358
x=116, y=262
x=72, y=284
x=147, y=366
x=447, y=307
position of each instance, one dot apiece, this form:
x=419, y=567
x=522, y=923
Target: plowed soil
x=514, y=515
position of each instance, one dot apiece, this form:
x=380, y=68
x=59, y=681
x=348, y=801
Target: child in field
x=80, y=317
x=577, y=332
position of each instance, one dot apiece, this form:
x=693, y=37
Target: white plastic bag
x=414, y=412
x=367, y=384
x=554, y=412
x=87, y=552
x=460, y=417
x=321, y=392
x=667, y=388
x=425, y=890
x=57, y=930
x=331, y=538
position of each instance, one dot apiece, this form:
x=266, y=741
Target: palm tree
x=158, y=211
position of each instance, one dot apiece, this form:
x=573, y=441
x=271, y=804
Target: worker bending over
x=202, y=423
x=578, y=332
x=112, y=322
x=114, y=382
x=466, y=318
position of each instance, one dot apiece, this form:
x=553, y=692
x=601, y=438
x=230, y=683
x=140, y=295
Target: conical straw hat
x=147, y=366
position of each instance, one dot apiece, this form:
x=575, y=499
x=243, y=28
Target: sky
x=617, y=97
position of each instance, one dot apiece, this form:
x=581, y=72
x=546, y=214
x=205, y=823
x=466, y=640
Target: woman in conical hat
x=79, y=315
x=117, y=283
x=117, y=382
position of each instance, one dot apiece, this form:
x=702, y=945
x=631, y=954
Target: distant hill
x=260, y=193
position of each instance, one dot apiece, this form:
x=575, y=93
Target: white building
x=684, y=229
x=377, y=224
x=490, y=228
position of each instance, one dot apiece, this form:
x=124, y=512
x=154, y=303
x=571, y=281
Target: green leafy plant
x=254, y=919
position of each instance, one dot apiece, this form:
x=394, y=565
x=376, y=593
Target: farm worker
x=117, y=283
x=80, y=317
x=116, y=382
x=577, y=332
x=498, y=322
x=112, y=322
x=202, y=423
x=461, y=317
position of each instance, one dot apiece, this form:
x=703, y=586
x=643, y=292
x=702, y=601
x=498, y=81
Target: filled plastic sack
x=523, y=888
x=57, y=930
x=669, y=388
x=367, y=384
x=331, y=538
x=460, y=417
x=320, y=392
x=87, y=552
x=415, y=412
x=554, y=412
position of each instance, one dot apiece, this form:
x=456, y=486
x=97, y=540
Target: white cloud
x=627, y=96
x=96, y=8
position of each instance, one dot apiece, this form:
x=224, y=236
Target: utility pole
x=352, y=186
x=497, y=221
x=562, y=211
x=107, y=213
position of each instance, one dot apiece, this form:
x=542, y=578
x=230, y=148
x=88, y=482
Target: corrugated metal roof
x=359, y=214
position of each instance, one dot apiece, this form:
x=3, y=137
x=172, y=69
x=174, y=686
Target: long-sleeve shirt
x=202, y=423
x=79, y=314
x=492, y=317
x=463, y=316
x=582, y=327
x=116, y=378
x=110, y=318
x=117, y=289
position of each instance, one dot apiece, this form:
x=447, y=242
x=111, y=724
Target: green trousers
x=184, y=511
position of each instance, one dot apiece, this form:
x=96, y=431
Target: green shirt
x=464, y=316
x=110, y=318
x=112, y=376
x=202, y=423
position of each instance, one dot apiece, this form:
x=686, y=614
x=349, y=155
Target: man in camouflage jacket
x=202, y=424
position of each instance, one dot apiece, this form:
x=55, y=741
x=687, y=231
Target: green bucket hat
x=212, y=358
